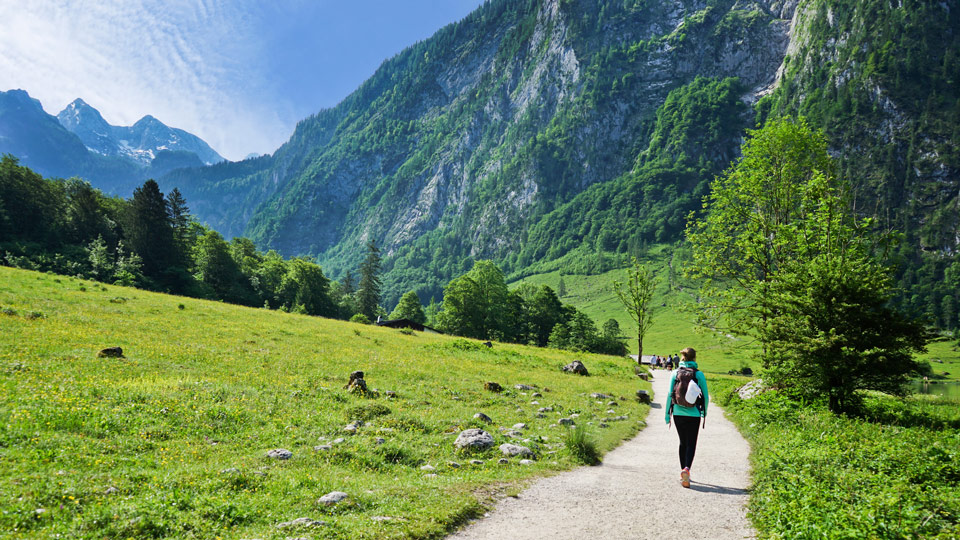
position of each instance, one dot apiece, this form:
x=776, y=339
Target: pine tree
x=368, y=295
x=149, y=231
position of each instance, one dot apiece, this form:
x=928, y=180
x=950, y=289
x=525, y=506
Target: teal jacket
x=680, y=410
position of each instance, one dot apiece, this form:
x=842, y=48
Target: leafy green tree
x=410, y=308
x=540, y=311
x=85, y=216
x=636, y=296
x=368, y=294
x=787, y=261
x=216, y=268
x=476, y=304
x=561, y=288
x=305, y=289
x=268, y=278
x=758, y=216
x=831, y=331
x=101, y=260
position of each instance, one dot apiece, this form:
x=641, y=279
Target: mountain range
x=79, y=142
x=565, y=134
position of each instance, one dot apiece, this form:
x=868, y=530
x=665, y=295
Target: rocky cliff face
x=460, y=145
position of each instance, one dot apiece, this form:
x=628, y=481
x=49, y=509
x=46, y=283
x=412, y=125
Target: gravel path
x=636, y=492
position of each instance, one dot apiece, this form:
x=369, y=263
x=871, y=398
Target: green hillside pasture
x=672, y=329
x=172, y=440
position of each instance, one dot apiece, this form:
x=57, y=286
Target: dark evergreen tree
x=149, y=231
x=368, y=295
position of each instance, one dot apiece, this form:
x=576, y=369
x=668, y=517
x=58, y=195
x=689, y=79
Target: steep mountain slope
x=456, y=147
x=140, y=142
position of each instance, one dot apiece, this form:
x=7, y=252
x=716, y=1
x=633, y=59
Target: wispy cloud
x=196, y=65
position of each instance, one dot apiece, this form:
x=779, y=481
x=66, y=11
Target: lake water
x=950, y=389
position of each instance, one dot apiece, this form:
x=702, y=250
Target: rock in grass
x=332, y=498
x=322, y=448
x=597, y=395
x=110, y=352
x=474, y=439
x=526, y=462
x=476, y=462
x=503, y=461
x=493, y=387
x=566, y=421
x=483, y=418
x=301, y=522
x=279, y=453
x=521, y=426
x=523, y=387
x=512, y=450
x=428, y=468
x=576, y=367
x=643, y=396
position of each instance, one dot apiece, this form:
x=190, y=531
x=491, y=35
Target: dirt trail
x=636, y=492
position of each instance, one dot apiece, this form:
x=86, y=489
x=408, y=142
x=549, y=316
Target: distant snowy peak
x=140, y=142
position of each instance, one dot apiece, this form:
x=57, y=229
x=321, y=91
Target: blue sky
x=238, y=73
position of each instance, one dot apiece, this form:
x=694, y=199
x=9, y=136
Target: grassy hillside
x=172, y=440
x=673, y=327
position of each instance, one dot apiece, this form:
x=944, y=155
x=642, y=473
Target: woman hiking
x=686, y=411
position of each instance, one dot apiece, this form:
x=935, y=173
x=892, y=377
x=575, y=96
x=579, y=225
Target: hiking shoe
x=685, y=478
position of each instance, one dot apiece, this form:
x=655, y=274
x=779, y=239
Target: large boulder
x=110, y=352
x=576, y=367
x=474, y=439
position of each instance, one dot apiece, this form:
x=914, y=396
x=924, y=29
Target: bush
x=360, y=318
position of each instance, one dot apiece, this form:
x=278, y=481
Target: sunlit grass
x=171, y=441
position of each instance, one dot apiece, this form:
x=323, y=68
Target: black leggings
x=688, y=427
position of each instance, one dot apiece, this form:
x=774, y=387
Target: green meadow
x=673, y=327
x=171, y=440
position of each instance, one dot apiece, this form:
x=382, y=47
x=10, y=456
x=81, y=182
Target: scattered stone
x=512, y=450
x=322, y=448
x=537, y=394
x=476, y=462
x=300, y=522
x=603, y=425
x=111, y=490
x=611, y=411
x=453, y=465
x=352, y=427
x=332, y=498
x=534, y=402
x=523, y=387
x=545, y=409
x=751, y=389
x=482, y=417
x=503, y=461
x=643, y=396
x=576, y=367
x=474, y=439
x=431, y=475
x=110, y=352
x=356, y=384
x=566, y=422
x=390, y=394
x=613, y=404
x=513, y=434
x=338, y=440
x=597, y=395
x=279, y=453
x=540, y=415
x=231, y=470
x=644, y=376
x=520, y=426
x=40, y=511
x=526, y=462
x=428, y=468
x=379, y=440
x=575, y=415
x=493, y=387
